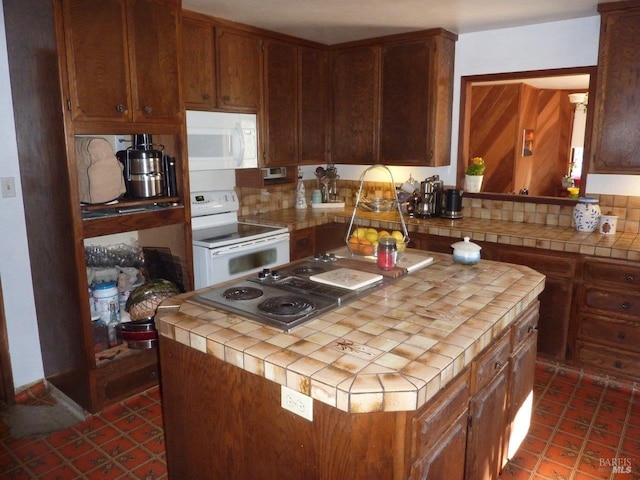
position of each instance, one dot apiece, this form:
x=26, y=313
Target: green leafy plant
x=476, y=166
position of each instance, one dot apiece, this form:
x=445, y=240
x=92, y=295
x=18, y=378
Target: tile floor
x=582, y=426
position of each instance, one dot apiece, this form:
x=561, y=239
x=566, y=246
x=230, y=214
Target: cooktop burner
x=286, y=305
x=242, y=293
x=308, y=270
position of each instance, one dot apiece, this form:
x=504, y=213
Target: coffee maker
x=431, y=196
x=452, y=204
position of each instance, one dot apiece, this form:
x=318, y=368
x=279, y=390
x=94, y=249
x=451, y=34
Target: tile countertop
x=623, y=246
x=390, y=350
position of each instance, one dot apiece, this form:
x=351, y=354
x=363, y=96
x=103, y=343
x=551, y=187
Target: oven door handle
x=244, y=246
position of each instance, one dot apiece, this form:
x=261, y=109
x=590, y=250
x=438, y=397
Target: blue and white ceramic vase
x=586, y=214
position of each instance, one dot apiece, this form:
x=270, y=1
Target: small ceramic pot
x=466, y=252
x=608, y=224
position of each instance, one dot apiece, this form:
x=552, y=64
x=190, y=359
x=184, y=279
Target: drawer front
x=621, y=275
x=526, y=326
x=608, y=359
x=490, y=363
x=617, y=333
x=627, y=303
x=427, y=429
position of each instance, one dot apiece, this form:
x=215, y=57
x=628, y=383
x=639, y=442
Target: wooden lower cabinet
x=223, y=422
x=608, y=312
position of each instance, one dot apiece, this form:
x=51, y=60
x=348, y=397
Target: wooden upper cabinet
x=392, y=100
x=239, y=70
x=97, y=60
x=314, y=105
x=122, y=60
x=355, y=76
x=281, y=103
x=198, y=64
x=616, y=107
x=416, y=96
x=154, y=27
x=405, y=128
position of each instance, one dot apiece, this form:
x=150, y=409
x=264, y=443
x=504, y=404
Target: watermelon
x=144, y=300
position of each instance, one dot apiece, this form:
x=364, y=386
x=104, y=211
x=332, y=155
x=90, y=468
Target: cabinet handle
x=532, y=328
x=148, y=110
x=629, y=278
x=206, y=96
x=498, y=365
x=121, y=107
x=625, y=305
x=621, y=335
x=618, y=364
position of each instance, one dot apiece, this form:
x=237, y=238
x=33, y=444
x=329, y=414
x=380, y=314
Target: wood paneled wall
x=499, y=116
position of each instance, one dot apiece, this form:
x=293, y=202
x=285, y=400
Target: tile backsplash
x=627, y=208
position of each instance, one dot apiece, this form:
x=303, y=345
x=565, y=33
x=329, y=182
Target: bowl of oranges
x=364, y=240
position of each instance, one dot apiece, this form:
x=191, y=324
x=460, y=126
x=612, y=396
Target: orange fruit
x=367, y=249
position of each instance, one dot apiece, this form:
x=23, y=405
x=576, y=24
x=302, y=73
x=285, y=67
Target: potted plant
x=474, y=174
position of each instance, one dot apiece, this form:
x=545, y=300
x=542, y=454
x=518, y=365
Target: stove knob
x=263, y=274
x=317, y=256
x=332, y=257
x=275, y=274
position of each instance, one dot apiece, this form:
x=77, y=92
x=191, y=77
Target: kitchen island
x=393, y=377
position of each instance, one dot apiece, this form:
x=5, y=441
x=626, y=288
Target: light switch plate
x=8, y=187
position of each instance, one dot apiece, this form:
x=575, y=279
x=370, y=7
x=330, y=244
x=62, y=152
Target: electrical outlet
x=297, y=403
x=8, y=187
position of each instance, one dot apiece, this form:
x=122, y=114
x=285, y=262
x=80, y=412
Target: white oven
x=223, y=248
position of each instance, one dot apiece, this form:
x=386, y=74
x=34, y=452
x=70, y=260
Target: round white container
x=586, y=214
x=466, y=252
x=104, y=294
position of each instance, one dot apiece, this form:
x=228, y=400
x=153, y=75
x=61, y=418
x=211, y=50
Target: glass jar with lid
x=387, y=253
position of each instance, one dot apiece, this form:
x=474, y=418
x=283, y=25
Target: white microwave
x=220, y=140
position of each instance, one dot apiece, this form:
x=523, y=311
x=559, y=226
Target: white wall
x=17, y=290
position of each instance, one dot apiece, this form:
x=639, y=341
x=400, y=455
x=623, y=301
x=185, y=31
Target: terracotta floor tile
x=566, y=455
x=552, y=469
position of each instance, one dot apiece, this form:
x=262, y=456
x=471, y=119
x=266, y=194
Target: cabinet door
x=302, y=243
x=314, y=105
x=153, y=39
x=330, y=236
x=556, y=299
x=281, y=103
x=406, y=120
x=97, y=60
x=198, y=65
x=444, y=460
x=521, y=376
x=617, y=115
x=355, y=105
x=487, y=429
x=239, y=70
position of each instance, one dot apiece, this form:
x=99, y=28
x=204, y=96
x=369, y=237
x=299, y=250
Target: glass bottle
x=113, y=324
x=387, y=253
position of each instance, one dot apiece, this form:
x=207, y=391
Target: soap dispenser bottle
x=301, y=200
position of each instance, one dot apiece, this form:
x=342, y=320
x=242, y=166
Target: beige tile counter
x=390, y=350
x=624, y=246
